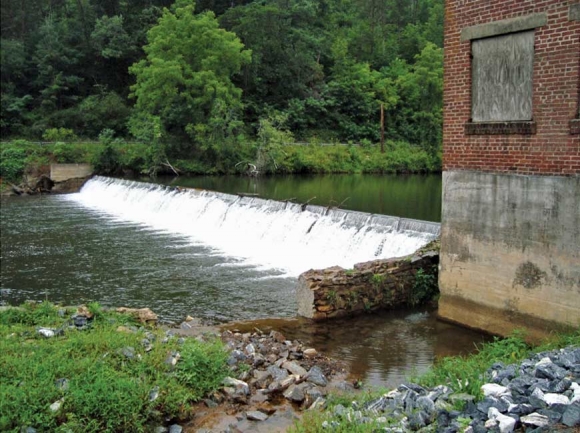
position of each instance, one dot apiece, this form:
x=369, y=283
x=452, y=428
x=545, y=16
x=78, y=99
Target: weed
x=107, y=390
x=425, y=286
x=332, y=297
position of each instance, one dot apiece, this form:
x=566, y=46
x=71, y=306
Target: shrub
x=12, y=163
x=59, y=134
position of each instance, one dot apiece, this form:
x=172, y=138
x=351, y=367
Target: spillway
x=267, y=234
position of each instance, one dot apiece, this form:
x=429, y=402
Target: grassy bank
x=104, y=377
x=463, y=374
x=20, y=157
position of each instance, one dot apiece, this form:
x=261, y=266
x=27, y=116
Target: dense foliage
x=209, y=77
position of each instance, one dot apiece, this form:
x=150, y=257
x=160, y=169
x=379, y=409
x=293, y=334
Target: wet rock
x=316, y=376
x=256, y=415
x=175, y=428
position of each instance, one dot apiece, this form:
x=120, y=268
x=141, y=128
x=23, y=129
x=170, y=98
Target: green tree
x=187, y=73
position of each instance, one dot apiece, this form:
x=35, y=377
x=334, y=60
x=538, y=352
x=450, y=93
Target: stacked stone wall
x=380, y=284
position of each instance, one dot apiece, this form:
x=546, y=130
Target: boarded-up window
x=502, y=71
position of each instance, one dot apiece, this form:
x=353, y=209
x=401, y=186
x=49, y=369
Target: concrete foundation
x=510, y=252
x=62, y=172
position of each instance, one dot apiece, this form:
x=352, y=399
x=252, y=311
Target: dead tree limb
x=166, y=163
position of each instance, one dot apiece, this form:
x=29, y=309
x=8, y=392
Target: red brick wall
x=553, y=149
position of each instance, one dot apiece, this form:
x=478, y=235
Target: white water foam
x=261, y=233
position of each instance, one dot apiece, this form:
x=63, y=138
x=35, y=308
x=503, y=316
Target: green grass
x=106, y=390
x=462, y=374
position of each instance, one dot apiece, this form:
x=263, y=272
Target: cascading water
x=267, y=234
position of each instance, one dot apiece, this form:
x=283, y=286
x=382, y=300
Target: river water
x=122, y=243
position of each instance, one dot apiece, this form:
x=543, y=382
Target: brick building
x=510, y=246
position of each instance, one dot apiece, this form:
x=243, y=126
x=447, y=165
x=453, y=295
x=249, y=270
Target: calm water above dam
x=131, y=244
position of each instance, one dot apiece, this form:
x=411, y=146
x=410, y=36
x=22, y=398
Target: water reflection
x=408, y=196
x=382, y=349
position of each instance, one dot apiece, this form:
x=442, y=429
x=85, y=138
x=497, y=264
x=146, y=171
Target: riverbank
x=98, y=370
x=507, y=386
x=89, y=369
x=21, y=157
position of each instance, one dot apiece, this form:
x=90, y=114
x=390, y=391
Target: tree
x=186, y=77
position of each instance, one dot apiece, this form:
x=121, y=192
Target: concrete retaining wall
x=379, y=284
x=62, y=172
x=510, y=252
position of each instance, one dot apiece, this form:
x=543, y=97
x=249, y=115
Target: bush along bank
x=22, y=159
x=540, y=393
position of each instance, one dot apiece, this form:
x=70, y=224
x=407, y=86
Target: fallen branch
x=166, y=163
x=303, y=205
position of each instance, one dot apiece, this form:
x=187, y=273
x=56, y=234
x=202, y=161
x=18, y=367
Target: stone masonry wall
x=380, y=284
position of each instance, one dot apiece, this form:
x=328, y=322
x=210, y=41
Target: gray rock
x=461, y=396
x=154, y=393
x=535, y=419
x=572, y=415
x=316, y=376
x=295, y=393
x=48, y=332
x=426, y=405
x=294, y=368
x=256, y=415
x=235, y=387
x=339, y=410
x=319, y=403
x=552, y=415
x=62, y=384
x=277, y=373
x=175, y=428
x=418, y=419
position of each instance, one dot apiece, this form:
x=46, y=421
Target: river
x=141, y=245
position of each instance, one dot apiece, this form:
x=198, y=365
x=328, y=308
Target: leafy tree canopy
x=186, y=74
